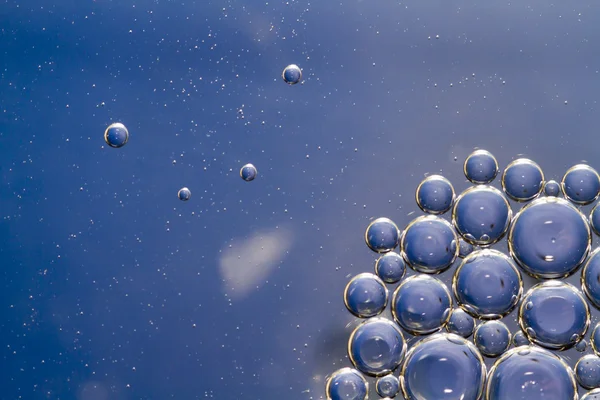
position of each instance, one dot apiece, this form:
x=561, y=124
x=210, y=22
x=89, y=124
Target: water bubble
x=116, y=135
x=427, y=244
x=549, y=238
x=552, y=188
x=587, y=371
x=382, y=235
x=522, y=180
x=481, y=167
x=460, y=323
x=346, y=384
x=248, y=172
x=292, y=74
x=464, y=248
x=492, y=338
x=595, y=339
x=387, y=386
x=595, y=219
x=590, y=278
x=376, y=347
x=365, y=295
x=443, y=369
x=591, y=395
x=581, y=184
x=530, y=372
x=490, y=284
x=519, y=339
x=435, y=194
x=390, y=267
x=184, y=194
x=559, y=316
x=481, y=212
x=581, y=346
x=421, y=304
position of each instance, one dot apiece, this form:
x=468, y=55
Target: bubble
x=292, y=74
x=428, y=245
x=390, y=267
x=529, y=372
x=382, y=235
x=522, y=180
x=387, y=386
x=116, y=135
x=590, y=278
x=421, y=304
x=464, y=248
x=549, y=238
x=595, y=219
x=587, y=371
x=248, y=172
x=365, y=295
x=487, y=284
x=595, y=340
x=519, y=339
x=581, y=346
x=184, y=194
x=481, y=167
x=492, y=338
x=581, y=184
x=460, y=323
x=481, y=215
x=435, y=194
x=592, y=395
x=558, y=317
x=376, y=347
x=552, y=188
x=346, y=384
x=443, y=367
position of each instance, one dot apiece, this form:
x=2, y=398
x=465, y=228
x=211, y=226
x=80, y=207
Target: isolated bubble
x=435, y=194
x=590, y=278
x=292, y=74
x=376, y=347
x=248, y=172
x=116, y=135
x=184, y=194
x=595, y=339
x=519, y=339
x=492, y=338
x=481, y=215
x=552, y=188
x=387, y=386
x=581, y=184
x=587, y=371
x=461, y=323
x=429, y=244
x=443, y=366
x=522, y=180
x=595, y=219
x=390, y=267
x=591, y=395
x=554, y=314
x=421, y=304
x=365, y=295
x=382, y=235
x=346, y=384
x=487, y=284
x=529, y=372
x=549, y=238
x=480, y=167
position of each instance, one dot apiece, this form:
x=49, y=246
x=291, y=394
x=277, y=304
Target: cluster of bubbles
x=435, y=341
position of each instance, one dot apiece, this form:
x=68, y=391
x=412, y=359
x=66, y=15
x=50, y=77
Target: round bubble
x=248, y=172
x=554, y=314
x=487, y=284
x=365, y=295
x=376, y=347
x=116, y=135
x=387, y=386
x=443, y=366
x=429, y=244
x=552, y=188
x=481, y=167
x=346, y=384
x=595, y=219
x=587, y=371
x=184, y=194
x=292, y=74
x=591, y=395
x=435, y=194
x=421, y=304
x=519, y=339
x=590, y=278
x=581, y=346
x=464, y=248
x=461, y=323
x=529, y=372
x=549, y=238
x=581, y=184
x=522, y=180
x=382, y=235
x=595, y=339
x=390, y=267
x=481, y=215
x=492, y=338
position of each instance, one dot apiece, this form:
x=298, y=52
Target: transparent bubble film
x=491, y=292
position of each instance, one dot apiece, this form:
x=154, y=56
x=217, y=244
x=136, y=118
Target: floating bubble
x=549, y=238
x=464, y=248
x=554, y=314
x=116, y=135
x=429, y=244
x=595, y=219
x=591, y=395
x=522, y=180
x=581, y=184
x=387, y=386
x=184, y=194
x=421, y=304
x=552, y=188
x=587, y=371
x=519, y=339
x=443, y=366
x=487, y=284
x=435, y=194
x=529, y=372
x=390, y=267
x=376, y=347
x=292, y=74
x=590, y=278
x=595, y=339
x=480, y=167
x=481, y=215
x=382, y=235
x=461, y=323
x=492, y=338
x=248, y=172
x=365, y=295
x=346, y=384
x=581, y=346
